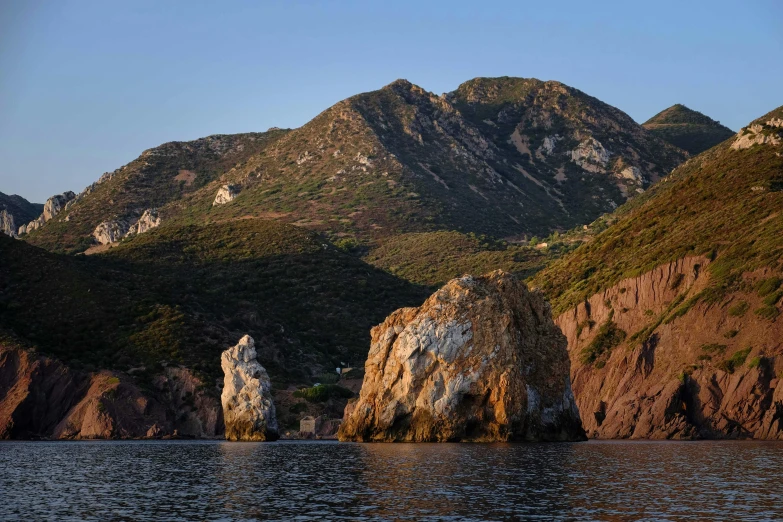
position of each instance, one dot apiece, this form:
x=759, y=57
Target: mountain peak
x=680, y=114
x=688, y=129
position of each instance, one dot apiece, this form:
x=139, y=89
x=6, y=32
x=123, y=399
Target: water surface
x=176, y=480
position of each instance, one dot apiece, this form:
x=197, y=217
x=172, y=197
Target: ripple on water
x=201, y=480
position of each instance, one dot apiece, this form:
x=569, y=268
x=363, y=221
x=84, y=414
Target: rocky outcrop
x=42, y=398
x=656, y=357
x=248, y=411
x=52, y=207
x=480, y=360
x=115, y=230
x=7, y=224
x=226, y=194
x=759, y=133
x=148, y=220
x=110, y=231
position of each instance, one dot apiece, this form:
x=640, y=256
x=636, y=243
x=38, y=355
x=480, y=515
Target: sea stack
x=248, y=411
x=481, y=360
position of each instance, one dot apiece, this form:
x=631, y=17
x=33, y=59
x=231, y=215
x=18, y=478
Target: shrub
x=767, y=312
x=677, y=281
x=739, y=309
x=730, y=334
x=608, y=336
x=714, y=348
x=323, y=393
x=757, y=362
x=772, y=299
x=735, y=361
x=299, y=407
x=767, y=286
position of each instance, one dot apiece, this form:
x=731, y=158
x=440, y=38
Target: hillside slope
x=672, y=312
x=396, y=160
x=687, y=129
x=156, y=178
x=16, y=211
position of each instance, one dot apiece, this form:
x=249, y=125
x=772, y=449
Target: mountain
x=396, y=160
x=159, y=177
x=672, y=312
x=687, y=129
x=16, y=211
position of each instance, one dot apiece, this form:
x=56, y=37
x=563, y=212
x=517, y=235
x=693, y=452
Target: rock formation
x=52, y=207
x=225, y=194
x=110, y=231
x=248, y=411
x=7, y=224
x=41, y=397
x=760, y=133
x=698, y=369
x=148, y=220
x=480, y=360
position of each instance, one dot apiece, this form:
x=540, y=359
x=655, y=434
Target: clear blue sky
x=86, y=86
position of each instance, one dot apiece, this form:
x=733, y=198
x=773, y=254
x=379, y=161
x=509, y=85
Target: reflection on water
x=177, y=480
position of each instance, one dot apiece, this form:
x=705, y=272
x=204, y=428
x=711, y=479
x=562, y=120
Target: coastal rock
x=225, y=194
x=248, y=411
x=679, y=367
x=41, y=397
x=480, y=360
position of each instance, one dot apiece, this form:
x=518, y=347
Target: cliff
x=480, y=360
x=658, y=357
x=41, y=398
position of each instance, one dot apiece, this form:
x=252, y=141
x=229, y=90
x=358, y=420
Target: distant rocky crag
x=480, y=360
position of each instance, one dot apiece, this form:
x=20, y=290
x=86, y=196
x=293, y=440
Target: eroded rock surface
x=650, y=359
x=248, y=411
x=480, y=360
x=42, y=398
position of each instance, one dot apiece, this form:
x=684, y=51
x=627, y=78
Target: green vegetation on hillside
x=183, y=295
x=725, y=204
x=687, y=129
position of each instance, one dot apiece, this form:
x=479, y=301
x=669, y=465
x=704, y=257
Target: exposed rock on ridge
x=247, y=395
x=480, y=360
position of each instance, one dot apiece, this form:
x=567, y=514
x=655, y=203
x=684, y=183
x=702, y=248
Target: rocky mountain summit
x=672, y=313
x=15, y=212
x=687, y=129
x=480, y=360
x=248, y=411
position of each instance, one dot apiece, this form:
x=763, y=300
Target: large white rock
x=225, y=194
x=591, y=155
x=148, y=220
x=758, y=134
x=56, y=203
x=248, y=410
x=7, y=225
x=110, y=232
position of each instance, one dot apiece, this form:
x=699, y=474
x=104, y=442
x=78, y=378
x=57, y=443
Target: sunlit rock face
x=480, y=360
x=248, y=411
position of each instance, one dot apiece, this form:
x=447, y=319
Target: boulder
x=248, y=411
x=225, y=194
x=480, y=360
